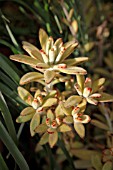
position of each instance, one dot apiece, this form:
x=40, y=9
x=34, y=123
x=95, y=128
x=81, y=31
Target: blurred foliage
x=91, y=24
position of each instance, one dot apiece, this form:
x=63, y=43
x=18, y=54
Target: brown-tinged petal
x=24, y=59
x=84, y=119
x=44, y=56
x=43, y=37
x=65, y=110
x=49, y=76
x=44, y=139
x=105, y=97
x=27, y=111
x=92, y=100
x=95, y=95
x=68, y=51
x=36, y=54
x=75, y=61
x=41, y=128
x=73, y=101
x=22, y=119
x=78, y=88
x=53, y=139
x=68, y=120
x=49, y=45
x=88, y=82
x=79, y=128
x=97, y=84
x=71, y=70
x=25, y=95
x=64, y=128
x=50, y=115
x=40, y=66
x=82, y=105
x=49, y=102
x=30, y=77
x=80, y=81
x=34, y=123
x=87, y=91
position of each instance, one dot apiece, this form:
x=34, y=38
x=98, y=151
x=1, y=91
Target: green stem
x=69, y=159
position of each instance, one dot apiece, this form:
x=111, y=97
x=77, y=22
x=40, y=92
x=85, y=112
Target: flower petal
x=91, y=101
x=87, y=91
x=53, y=139
x=25, y=95
x=25, y=59
x=41, y=128
x=80, y=81
x=27, y=111
x=68, y=120
x=73, y=101
x=105, y=97
x=78, y=88
x=49, y=102
x=64, y=128
x=71, y=70
x=97, y=84
x=30, y=77
x=34, y=123
x=43, y=37
x=22, y=119
x=50, y=115
x=79, y=128
x=44, y=139
x=75, y=61
x=49, y=76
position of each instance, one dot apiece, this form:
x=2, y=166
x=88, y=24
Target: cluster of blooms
x=50, y=111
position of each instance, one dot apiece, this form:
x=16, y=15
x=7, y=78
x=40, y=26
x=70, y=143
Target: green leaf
x=27, y=111
x=8, y=69
x=49, y=76
x=53, y=139
x=44, y=139
x=72, y=101
x=34, y=123
x=6, y=139
x=8, y=119
x=3, y=165
x=25, y=95
x=79, y=127
x=30, y=77
x=108, y=166
x=64, y=128
x=99, y=124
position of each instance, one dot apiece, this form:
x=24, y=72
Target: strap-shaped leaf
x=49, y=76
x=34, y=123
x=53, y=139
x=49, y=102
x=71, y=70
x=105, y=97
x=75, y=61
x=79, y=128
x=30, y=77
x=99, y=124
x=64, y=128
x=43, y=37
x=25, y=95
x=44, y=139
x=96, y=162
x=25, y=59
x=73, y=101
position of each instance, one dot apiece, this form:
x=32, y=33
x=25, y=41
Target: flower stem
x=62, y=146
